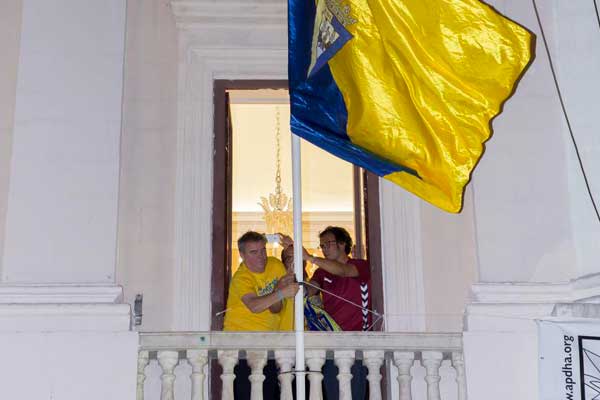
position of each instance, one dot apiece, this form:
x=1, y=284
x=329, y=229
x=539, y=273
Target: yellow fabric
x=422, y=80
x=238, y=317
x=286, y=321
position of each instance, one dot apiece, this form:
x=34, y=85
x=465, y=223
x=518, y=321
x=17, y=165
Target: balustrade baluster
x=314, y=361
x=432, y=360
x=344, y=360
x=142, y=362
x=228, y=359
x=197, y=359
x=168, y=360
x=197, y=347
x=257, y=361
x=285, y=360
x=458, y=362
x=403, y=360
x=373, y=359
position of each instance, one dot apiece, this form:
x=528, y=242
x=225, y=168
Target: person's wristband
x=279, y=295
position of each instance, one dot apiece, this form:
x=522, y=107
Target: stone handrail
x=197, y=348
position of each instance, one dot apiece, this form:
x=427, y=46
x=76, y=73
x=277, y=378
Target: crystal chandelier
x=278, y=206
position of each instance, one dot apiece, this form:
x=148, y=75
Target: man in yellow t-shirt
x=261, y=290
x=261, y=298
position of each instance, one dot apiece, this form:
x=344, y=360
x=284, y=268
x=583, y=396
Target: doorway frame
x=250, y=42
x=221, y=204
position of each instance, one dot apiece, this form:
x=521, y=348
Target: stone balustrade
x=401, y=353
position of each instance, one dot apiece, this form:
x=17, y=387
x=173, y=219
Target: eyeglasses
x=325, y=245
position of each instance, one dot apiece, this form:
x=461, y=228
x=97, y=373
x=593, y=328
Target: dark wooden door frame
x=373, y=245
x=221, y=215
x=221, y=211
x=221, y=206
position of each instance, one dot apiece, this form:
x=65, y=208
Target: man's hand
x=290, y=290
x=287, y=287
x=285, y=240
x=306, y=256
x=285, y=280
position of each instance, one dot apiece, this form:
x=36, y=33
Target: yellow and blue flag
x=406, y=89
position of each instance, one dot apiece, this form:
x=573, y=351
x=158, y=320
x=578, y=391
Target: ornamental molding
x=516, y=306
x=582, y=290
x=247, y=39
x=55, y=294
x=203, y=14
x=65, y=318
x=201, y=61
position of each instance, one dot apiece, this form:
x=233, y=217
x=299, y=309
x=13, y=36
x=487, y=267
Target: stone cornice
x=65, y=317
x=584, y=289
x=230, y=13
x=55, y=294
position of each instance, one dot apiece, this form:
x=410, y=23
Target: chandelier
x=277, y=206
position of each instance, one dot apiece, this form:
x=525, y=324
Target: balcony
x=174, y=365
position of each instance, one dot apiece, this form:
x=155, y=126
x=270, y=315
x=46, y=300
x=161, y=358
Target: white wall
x=519, y=222
x=576, y=57
x=10, y=32
x=147, y=187
x=449, y=264
x=62, y=332
x=61, y=220
x=534, y=220
x=522, y=205
x=69, y=365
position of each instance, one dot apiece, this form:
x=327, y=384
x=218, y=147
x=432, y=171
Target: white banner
x=569, y=360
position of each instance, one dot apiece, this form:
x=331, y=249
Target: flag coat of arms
x=406, y=89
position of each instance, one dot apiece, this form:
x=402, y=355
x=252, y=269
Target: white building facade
x=106, y=145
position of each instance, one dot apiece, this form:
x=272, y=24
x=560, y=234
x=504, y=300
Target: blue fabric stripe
x=318, y=110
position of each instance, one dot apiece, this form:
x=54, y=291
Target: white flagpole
x=298, y=265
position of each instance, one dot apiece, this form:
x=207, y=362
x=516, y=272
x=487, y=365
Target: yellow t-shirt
x=239, y=317
x=286, y=321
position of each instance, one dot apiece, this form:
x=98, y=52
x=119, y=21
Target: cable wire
x=564, y=109
x=341, y=298
x=597, y=14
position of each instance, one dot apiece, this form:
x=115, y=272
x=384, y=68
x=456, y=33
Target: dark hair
x=250, y=236
x=286, y=249
x=283, y=252
x=341, y=236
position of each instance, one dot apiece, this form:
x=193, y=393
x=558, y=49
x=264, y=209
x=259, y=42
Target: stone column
x=403, y=360
x=64, y=173
x=168, y=360
x=373, y=360
x=344, y=359
x=228, y=360
x=198, y=360
x=314, y=361
x=59, y=302
x=285, y=360
x=143, y=359
x=257, y=361
x=432, y=360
